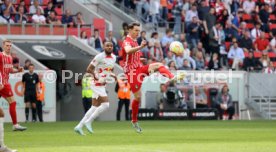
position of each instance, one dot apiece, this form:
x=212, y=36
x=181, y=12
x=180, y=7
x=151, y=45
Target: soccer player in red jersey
x=136, y=72
x=6, y=68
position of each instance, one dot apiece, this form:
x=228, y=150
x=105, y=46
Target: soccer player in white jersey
x=101, y=69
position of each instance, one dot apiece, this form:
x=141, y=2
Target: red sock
x=13, y=112
x=135, y=109
x=165, y=72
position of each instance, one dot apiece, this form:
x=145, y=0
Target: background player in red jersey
x=136, y=72
x=6, y=68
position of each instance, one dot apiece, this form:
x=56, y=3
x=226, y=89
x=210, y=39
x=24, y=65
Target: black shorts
x=30, y=97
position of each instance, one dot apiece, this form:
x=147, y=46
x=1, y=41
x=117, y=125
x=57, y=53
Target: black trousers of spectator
x=87, y=103
x=122, y=102
x=230, y=111
x=214, y=49
x=39, y=110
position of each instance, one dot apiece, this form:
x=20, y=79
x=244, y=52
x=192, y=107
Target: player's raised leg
x=3, y=148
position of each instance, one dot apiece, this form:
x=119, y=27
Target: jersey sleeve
x=125, y=43
x=96, y=60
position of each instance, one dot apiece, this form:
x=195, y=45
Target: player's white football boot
x=89, y=127
x=6, y=149
x=79, y=131
x=18, y=127
x=136, y=127
x=178, y=77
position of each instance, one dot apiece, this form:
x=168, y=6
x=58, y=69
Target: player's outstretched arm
x=130, y=49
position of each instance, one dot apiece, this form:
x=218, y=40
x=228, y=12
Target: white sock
x=86, y=116
x=1, y=131
x=104, y=106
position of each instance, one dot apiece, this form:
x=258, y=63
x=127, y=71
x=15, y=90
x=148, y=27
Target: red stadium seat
x=271, y=55
x=267, y=36
x=249, y=25
x=272, y=17
x=257, y=54
x=246, y=17
x=59, y=11
x=99, y=23
x=227, y=46
x=246, y=54
x=272, y=26
x=274, y=63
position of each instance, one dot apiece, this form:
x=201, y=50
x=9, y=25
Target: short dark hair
x=131, y=25
x=96, y=30
x=153, y=34
x=168, y=31
x=108, y=41
x=31, y=65
x=142, y=32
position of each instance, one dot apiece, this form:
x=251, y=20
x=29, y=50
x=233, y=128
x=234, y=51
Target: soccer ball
x=176, y=48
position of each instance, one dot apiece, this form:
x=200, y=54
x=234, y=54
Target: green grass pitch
x=157, y=136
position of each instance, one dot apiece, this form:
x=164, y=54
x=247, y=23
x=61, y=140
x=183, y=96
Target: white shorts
x=98, y=91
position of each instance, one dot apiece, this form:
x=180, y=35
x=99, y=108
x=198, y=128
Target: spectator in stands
x=270, y=69
x=83, y=37
x=154, y=12
x=209, y=20
x=8, y=7
x=52, y=19
x=172, y=66
x=27, y=63
x=112, y=39
x=273, y=43
x=236, y=54
x=156, y=53
x=40, y=2
x=190, y=14
x=186, y=65
x=164, y=9
x=6, y=17
x=203, y=9
x=248, y=6
x=21, y=17
x=154, y=38
x=200, y=63
x=261, y=43
x=142, y=37
x=251, y=64
x=96, y=41
x=38, y=18
x=245, y=42
x=265, y=59
x=264, y=17
x=214, y=63
x=199, y=98
x=161, y=98
x=178, y=13
x=124, y=29
x=15, y=63
x=22, y=4
x=170, y=57
x=79, y=19
x=193, y=30
x=231, y=31
x=35, y=7
x=50, y=8
x=256, y=32
x=199, y=48
x=225, y=103
x=67, y=18
x=166, y=41
x=214, y=38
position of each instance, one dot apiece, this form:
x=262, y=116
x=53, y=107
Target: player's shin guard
x=135, y=109
x=165, y=72
x=13, y=112
x=103, y=107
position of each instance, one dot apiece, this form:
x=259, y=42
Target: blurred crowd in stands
x=216, y=34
